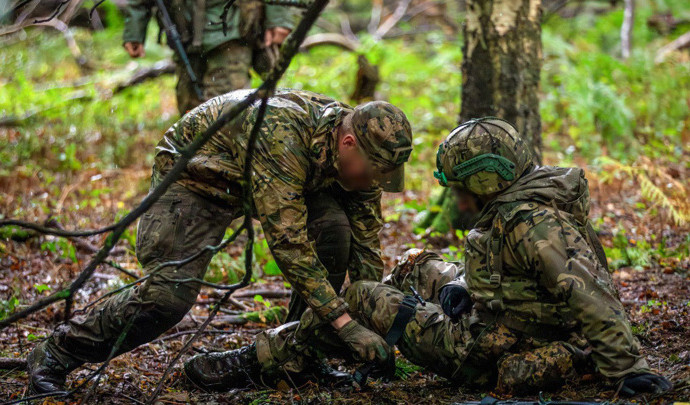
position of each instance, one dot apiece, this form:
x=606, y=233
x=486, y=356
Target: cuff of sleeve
x=141, y=38
x=332, y=310
x=280, y=16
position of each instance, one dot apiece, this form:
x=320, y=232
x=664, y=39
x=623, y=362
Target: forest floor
x=656, y=296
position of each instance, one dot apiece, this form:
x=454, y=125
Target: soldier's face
x=467, y=202
x=354, y=169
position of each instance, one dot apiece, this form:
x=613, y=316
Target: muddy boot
x=46, y=372
x=224, y=370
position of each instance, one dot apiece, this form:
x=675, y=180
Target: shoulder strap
x=495, y=263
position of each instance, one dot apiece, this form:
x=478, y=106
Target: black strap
x=406, y=311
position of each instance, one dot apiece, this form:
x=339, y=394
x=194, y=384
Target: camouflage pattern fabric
x=306, y=216
x=551, y=283
x=179, y=224
x=483, y=156
x=468, y=352
x=385, y=135
x=138, y=14
x=529, y=371
x=557, y=310
x=222, y=61
x=295, y=155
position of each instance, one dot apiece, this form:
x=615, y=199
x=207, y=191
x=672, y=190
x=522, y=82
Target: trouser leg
x=218, y=71
x=227, y=69
x=543, y=368
x=178, y=225
x=425, y=271
x=328, y=226
x=429, y=339
x=185, y=93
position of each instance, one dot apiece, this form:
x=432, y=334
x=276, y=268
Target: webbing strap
x=406, y=311
x=495, y=264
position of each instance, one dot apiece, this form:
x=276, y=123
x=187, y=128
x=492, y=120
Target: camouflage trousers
x=219, y=71
x=178, y=225
x=469, y=352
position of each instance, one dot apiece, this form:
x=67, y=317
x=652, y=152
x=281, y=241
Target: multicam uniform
x=296, y=199
x=220, y=60
x=550, y=308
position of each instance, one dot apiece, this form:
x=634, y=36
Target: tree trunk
x=502, y=57
x=627, y=28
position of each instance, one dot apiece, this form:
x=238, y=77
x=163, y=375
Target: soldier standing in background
x=221, y=46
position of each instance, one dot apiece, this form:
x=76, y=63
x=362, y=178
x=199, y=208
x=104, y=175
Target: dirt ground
x=656, y=297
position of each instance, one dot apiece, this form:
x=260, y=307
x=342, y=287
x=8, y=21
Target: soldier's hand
x=455, y=301
x=366, y=344
x=275, y=36
x=634, y=384
x=135, y=49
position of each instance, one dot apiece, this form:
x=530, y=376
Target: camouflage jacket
x=295, y=155
x=534, y=263
x=138, y=13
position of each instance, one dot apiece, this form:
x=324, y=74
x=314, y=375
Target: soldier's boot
x=48, y=373
x=224, y=370
x=237, y=368
x=315, y=371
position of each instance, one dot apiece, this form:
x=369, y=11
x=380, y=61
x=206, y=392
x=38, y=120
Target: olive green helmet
x=483, y=156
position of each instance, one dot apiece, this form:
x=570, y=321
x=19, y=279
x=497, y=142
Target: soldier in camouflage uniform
x=532, y=306
x=220, y=60
x=318, y=174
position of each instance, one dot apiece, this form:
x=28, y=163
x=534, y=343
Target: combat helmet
x=483, y=156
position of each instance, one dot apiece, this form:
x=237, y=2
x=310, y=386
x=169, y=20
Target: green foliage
x=404, y=369
x=275, y=314
x=8, y=306
x=40, y=288
x=62, y=247
x=628, y=252
x=631, y=107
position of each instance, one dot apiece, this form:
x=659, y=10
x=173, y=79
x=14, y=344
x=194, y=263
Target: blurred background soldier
x=220, y=44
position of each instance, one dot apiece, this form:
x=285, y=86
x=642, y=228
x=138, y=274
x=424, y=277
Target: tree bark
x=502, y=58
x=627, y=28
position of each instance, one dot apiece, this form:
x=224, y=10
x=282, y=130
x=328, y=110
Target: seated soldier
x=533, y=306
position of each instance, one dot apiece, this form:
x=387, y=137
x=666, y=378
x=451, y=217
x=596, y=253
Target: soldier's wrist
x=341, y=321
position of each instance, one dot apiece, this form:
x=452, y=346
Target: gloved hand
x=455, y=301
x=366, y=344
x=635, y=384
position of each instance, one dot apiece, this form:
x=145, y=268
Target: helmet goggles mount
x=487, y=162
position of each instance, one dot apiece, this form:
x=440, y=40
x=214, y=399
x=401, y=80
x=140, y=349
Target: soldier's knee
x=170, y=304
x=332, y=235
x=359, y=292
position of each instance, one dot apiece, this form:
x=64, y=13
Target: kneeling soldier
x=532, y=306
x=318, y=173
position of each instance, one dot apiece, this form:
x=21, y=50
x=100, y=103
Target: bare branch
x=390, y=22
